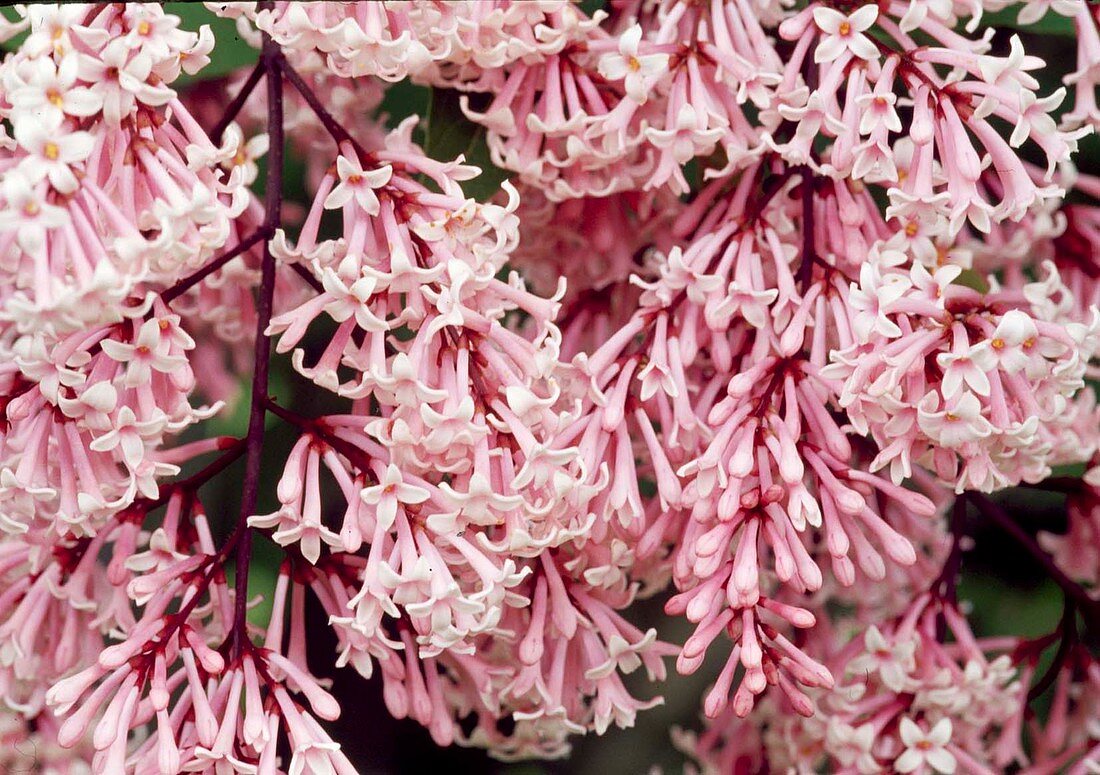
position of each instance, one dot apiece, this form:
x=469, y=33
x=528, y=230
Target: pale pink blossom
x=925, y=748
x=845, y=33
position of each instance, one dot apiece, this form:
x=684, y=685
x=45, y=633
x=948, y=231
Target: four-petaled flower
x=637, y=71
x=845, y=33
x=925, y=748
x=391, y=491
x=357, y=183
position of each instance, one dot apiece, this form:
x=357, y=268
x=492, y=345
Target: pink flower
x=27, y=213
x=960, y=422
x=51, y=91
x=925, y=748
x=637, y=71
x=389, y=493
x=53, y=152
x=845, y=33
x=121, y=79
x=357, y=183
x=732, y=285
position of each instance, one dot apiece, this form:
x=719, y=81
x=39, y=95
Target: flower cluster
x=906, y=702
x=771, y=296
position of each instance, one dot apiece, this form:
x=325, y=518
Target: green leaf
x=404, y=99
x=973, y=279
x=589, y=7
x=450, y=133
x=1050, y=24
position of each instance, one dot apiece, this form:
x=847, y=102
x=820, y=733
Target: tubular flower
x=760, y=310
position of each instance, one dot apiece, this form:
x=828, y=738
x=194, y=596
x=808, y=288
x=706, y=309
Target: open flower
x=27, y=213
x=391, y=491
x=357, y=183
x=53, y=152
x=961, y=422
x=925, y=748
x=50, y=92
x=636, y=70
x=842, y=33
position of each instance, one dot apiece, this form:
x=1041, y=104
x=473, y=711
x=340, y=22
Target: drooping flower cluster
x=905, y=702
x=766, y=288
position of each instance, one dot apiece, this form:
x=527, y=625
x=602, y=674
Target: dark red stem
x=238, y=102
x=193, y=279
x=328, y=121
x=270, y=58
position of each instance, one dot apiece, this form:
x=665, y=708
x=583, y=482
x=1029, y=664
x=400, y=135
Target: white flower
x=1011, y=344
x=1034, y=10
x=749, y=302
x=1036, y=117
x=306, y=532
x=143, y=356
x=960, y=423
x=876, y=109
x=52, y=151
x=246, y=152
x=1011, y=71
x=845, y=33
x=129, y=434
x=389, y=492
x=964, y=367
x=871, y=300
x=51, y=25
x=892, y=661
x=925, y=747
x=352, y=299
x=50, y=93
x=933, y=284
x=121, y=80
x=919, y=10
x=358, y=183
x=852, y=745
x=688, y=139
x=26, y=211
x=636, y=71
